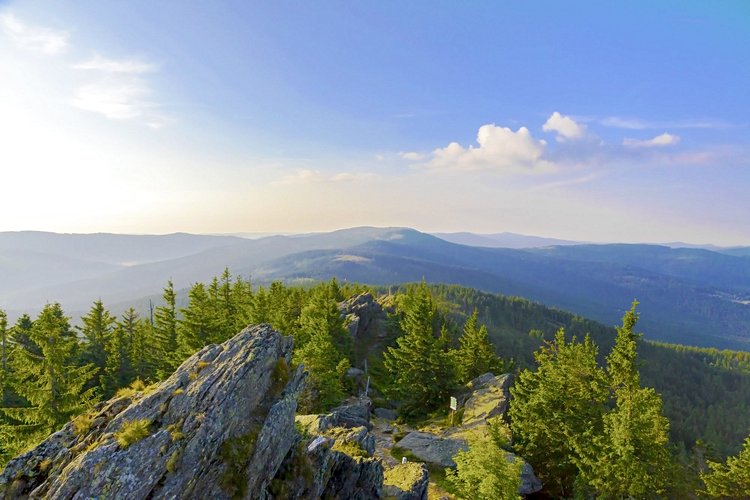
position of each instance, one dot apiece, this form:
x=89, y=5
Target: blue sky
x=581, y=120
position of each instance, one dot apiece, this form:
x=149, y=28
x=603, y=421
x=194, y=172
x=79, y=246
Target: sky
x=586, y=120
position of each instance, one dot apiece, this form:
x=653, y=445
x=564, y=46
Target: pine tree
x=21, y=334
x=242, y=298
x=323, y=345
x=323, y=362
x=634, y=460
x=486, y=471
x=199, y=325
x=420, y=369
x=165, y=334
x=731, y=479
x=5, y=355
x=320, y=314
x=97, y=330
x=142, y=350
x=556, y=411
x=49, y=381
x=476, y=355
x=119, y=371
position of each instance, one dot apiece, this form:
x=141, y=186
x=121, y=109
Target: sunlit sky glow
x=579, y=120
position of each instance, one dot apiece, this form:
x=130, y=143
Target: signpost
x=454, y=406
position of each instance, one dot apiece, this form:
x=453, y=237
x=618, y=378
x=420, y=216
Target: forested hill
x=689, y=296
x=706, y=391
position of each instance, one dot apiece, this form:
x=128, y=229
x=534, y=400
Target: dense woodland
x=610, y=435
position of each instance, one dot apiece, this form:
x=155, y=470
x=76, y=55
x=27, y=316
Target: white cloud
x=500, y=150
x=412, y=156
x=36, y=38
x=659, y=141
x=114, y=98
x=121, y=92
x=300, y=176
x=638, y=124
x=130, y=66
x=565, y=127
x=352, y=176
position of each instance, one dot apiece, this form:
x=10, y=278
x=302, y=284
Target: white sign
x=454, y=403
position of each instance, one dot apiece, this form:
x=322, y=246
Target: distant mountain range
x=688, y=295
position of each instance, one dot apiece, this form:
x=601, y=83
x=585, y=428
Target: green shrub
x=236, y=453
x=279, y=376
x=132, y=432
x=82, y=424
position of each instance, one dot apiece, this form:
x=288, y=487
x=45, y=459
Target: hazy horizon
x=584, y=121
x=258, y=235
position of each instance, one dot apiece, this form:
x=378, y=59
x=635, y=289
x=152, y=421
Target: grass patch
x=82, y=424
x=44, y=465
x=351, y=448
x=236, y=453
x=178, y=391
x=172, y=461
x=201, y=365
x=403, y=476
x=132, y=432
x=175, y=431
x=279, y=376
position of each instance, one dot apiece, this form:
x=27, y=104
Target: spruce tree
x=476, y=355
x=730, y=479
x=142, y=349
x=486, y=471
x=242, y=298
x=5, y=355
x=199, y=325
x=97, y=330
x=119, y=371
x=556, y=411
x=165, y=334
x=48, y=378
x=420, y=369
x=634, y=460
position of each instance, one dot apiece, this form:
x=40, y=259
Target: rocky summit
x=222, y=426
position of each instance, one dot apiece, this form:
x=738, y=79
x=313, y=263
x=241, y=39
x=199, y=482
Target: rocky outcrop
x=489, y=397
x=408, y=481
x=361, y=314
x=334, y=461
x=222, y=426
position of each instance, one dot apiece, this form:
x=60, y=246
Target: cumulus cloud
x=36, y=38
x=564, y=126
x=499, y=149
x=659, y=141
x=412, y=156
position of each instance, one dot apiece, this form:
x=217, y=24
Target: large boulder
x=529, y=482
x=431, y=448
x=408, y=481
x=353, y=414
x=489, y=397
x=222, y=426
